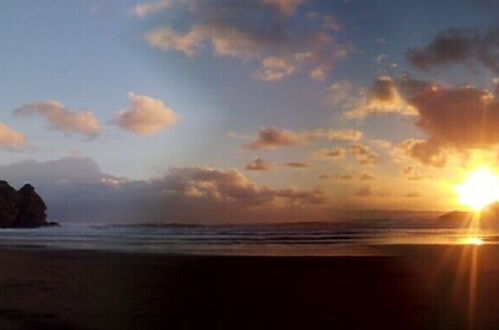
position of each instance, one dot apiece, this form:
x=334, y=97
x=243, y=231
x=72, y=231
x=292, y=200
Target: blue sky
x=90, y=54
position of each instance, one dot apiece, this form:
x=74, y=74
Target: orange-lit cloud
x=146, y=116
x=275, y=69
x=367, y=177
x=12, y=140
x=363, y=154
x=427, y=152
x=330, y=154
x=232, y=186
x=412, y=174
x=62, y=118
x=383, y=97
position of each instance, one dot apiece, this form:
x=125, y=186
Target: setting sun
x=480, y=189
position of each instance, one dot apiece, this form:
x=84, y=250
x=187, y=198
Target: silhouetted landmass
x=455, y=218
x=23, y=208
x=488, y=217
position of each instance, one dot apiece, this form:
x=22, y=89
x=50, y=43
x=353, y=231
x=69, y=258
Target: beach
x=404, y=287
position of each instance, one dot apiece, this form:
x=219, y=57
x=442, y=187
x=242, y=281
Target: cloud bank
x=182, y=195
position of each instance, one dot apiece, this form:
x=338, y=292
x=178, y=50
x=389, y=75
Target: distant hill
x=488, y=217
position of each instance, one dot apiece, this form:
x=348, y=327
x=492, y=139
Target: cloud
x=286, y=7
x=258, y=164
x=252, y=31
x=462, y=117
x=11, y=140
x=382, y=144
x=165, y=38
x=453, y=118
x=413, y=194
x=363, y=154
x=364, y=191
x=330, y=154
x=458, y=46
x=62, y=118
x=343, y=95
x=272, y=137
x=412, y=174
x=344, y=177
x=275, y=69
x=298, y=165
x=145, y=9
x=427, y=152
x=226, y=41
x=147, y=116
x=366, y=177
x=383, y=97
x=181, y=195
x=335, y=135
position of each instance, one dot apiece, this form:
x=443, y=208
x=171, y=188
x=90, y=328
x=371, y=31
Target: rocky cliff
x=23, y=208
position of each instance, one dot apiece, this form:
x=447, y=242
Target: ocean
x=359, y=237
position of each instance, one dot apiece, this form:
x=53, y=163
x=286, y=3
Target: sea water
x=334, y=238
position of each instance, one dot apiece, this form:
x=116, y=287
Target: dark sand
x=420, y=287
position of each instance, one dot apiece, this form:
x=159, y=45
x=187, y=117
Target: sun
x=480, y=189
x=474, y=241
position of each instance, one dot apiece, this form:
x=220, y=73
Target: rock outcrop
x=9, y=204
x=23, y=208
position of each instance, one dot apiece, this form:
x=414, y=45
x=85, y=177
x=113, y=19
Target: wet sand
x=410, y=287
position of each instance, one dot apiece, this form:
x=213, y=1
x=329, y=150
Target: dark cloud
x=259, y=164
x=459, y=46
x=271, y=138
x=427, y=152
x=463, y=117
x=383, y=97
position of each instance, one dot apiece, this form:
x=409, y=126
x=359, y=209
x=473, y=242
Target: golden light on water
x=480, y=189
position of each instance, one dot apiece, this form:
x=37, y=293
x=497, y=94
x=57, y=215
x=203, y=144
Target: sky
x=246, y=110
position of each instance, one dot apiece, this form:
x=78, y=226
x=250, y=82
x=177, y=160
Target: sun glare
x=480, y=189
x=474, y=241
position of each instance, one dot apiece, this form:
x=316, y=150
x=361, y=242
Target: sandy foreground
x=408, y=287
